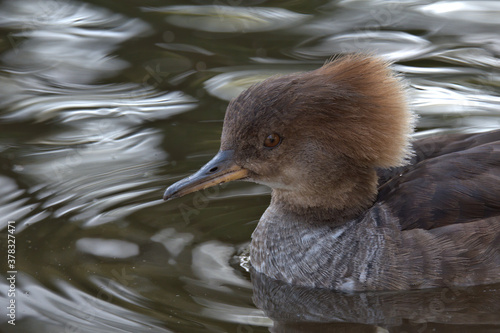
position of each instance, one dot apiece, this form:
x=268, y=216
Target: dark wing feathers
x=452, y=179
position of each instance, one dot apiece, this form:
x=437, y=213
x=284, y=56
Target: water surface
x=105, y=103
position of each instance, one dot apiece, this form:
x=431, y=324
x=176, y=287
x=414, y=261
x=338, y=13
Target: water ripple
x=68, y=309
x=110, y=248
x=479, y=12
x=122, y=102
x=96, y=176
x=393, y=45
x=230, y=18
x=65, y=41
x=228, y=85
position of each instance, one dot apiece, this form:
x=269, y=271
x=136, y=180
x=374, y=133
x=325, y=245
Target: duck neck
x=333, y=201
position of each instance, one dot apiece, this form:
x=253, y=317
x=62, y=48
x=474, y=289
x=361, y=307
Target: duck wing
x=451, y=179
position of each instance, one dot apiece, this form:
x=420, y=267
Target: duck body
x=442, y=231
x=355, y=204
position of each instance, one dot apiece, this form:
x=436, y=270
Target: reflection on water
x=227, y=85
x=102, y=104
x=324, y=310
x=65, y=42
x=231, y=19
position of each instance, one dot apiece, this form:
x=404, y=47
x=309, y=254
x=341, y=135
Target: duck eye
x=272, y=140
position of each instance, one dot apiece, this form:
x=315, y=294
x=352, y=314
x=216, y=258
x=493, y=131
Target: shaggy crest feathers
x=378, y=111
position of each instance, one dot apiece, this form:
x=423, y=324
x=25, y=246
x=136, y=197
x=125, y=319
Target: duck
x=357, y=203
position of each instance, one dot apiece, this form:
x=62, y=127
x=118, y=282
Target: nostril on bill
x=214, y=169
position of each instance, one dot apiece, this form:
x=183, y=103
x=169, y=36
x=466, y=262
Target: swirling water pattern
x=104, y=104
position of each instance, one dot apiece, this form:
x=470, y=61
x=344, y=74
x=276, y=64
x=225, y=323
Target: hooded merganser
x=355, y=204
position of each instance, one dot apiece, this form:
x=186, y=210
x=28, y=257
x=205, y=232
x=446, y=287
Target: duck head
x=315, y=138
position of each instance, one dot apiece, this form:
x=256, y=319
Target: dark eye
x=272, y=140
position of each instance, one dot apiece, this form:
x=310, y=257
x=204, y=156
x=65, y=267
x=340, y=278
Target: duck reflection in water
x=308, y=310
x=356, y=205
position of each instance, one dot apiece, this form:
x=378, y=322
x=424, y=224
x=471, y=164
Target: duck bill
x=221, y=169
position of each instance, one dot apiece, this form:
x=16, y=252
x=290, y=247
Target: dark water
x=104, y=103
